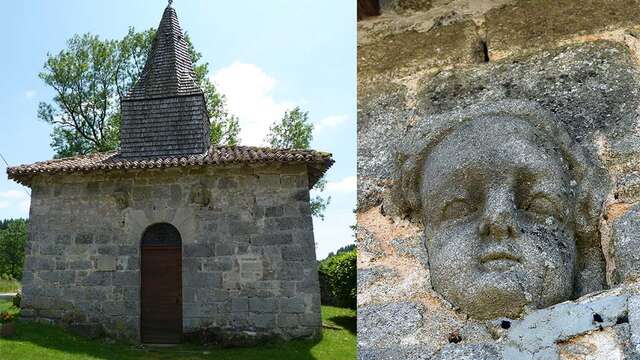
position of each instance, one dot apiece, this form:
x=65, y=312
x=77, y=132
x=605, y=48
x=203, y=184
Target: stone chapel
x=170, y=235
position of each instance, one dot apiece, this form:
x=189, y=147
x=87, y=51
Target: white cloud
x=30, y=94
x=347, y=184
x=329, y=122
x=15, y=200
x=249, y=96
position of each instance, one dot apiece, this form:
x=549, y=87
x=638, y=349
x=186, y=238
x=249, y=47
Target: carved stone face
x=499, y=218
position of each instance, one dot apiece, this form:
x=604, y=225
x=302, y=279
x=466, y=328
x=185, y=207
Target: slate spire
x=168, y=70
x=165, y=113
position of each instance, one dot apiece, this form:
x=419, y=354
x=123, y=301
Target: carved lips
x=498, y=260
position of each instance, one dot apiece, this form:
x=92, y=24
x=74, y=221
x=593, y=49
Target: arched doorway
x=161, y=285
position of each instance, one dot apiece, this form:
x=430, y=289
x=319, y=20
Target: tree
x=13, y=238
x=91, y=75
x=294, y=131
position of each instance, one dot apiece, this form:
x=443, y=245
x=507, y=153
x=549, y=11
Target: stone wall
x=421, y=60
x=248, y=250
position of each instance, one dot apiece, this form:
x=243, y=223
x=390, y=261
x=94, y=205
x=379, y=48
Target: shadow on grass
x=347, y=322
x=34, y=340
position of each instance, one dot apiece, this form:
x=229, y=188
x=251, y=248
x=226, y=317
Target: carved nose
x=498, y=221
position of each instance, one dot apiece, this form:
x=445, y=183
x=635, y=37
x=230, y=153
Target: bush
x=338, y=279
x=8, y=283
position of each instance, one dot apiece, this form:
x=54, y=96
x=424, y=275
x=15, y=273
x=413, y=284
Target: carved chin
x=493, y=295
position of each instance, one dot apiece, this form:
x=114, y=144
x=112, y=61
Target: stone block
x=133, y=263
x=224, y=249
x=107, y=250
x=59, y=277
x=52, y=249
x=97, y=279
x=288, y=320
x=84, y=238
x=508, y=32
x=227, y=182
x=291, y=270
x=79, y=264
x=274, y=211
x=271, y=239
x=28, y=313
x=126, y=278
x=198, y=250
x=219, y=264
x=106, y=263
x=127, y=250
x=293, y=181
x=263, y=321
x=51, y=313
x=242, y=227
x=295, y=305
x=262, y=305
x=114, y=308
x=311, y=320
x=302, y=195
x=269, y=181
x=46, y=263
x=208, y=280
x=239, y=305
x=292, y=253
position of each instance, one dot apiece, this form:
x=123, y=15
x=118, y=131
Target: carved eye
x=541, y=205
x=457, y=209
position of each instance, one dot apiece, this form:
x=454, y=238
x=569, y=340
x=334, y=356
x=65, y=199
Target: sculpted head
x=495, y=192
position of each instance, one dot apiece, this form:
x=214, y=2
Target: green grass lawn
x=39, y=342
x=9, y=286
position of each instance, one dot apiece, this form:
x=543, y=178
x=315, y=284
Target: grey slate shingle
x=165, y=112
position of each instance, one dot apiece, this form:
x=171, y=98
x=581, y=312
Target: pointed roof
x=165, y=113
x=168, y=70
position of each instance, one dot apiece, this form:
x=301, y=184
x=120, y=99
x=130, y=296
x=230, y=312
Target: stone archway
x=161, y=285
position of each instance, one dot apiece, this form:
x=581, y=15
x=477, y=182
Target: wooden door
x=161, y=293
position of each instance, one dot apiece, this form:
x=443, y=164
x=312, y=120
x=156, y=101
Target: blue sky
x=265, y=56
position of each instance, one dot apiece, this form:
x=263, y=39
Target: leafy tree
x=342, y=249
x=13, y=238
x=294, y=131
x=89, y=78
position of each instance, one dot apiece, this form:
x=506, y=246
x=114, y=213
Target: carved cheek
x=454, y=245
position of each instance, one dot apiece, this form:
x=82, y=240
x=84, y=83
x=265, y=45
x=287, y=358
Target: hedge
x=338, y=279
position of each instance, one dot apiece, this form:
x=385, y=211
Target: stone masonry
x=248, y=249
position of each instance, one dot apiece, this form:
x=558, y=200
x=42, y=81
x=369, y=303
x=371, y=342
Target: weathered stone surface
x=382, y=325
x=469, y=352
x=536, y=335
x=85, y=250
x=625, y=235
x=547, y=22
x=413, y=49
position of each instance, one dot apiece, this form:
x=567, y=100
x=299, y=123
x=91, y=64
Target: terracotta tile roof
x=317, y=162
